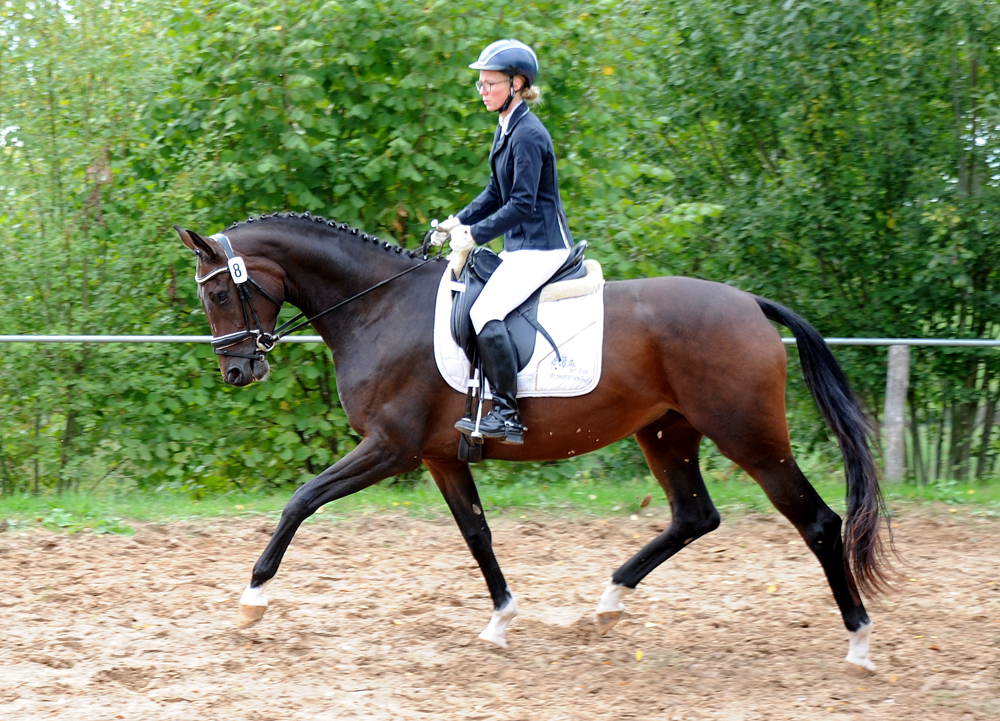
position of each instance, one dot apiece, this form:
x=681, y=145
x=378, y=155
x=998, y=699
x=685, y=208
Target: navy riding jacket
x=522, y=200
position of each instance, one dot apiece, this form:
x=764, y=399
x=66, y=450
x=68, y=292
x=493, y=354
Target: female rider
x=522, y=203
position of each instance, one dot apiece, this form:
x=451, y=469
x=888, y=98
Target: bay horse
x=683, y=359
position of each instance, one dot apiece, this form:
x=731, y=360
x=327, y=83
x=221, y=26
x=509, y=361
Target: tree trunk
x=984, y=444
x=963, y=415
x=963, y=419
x=38, y=450
x=917, y=460
x=894, y=423
x=6, y=486
x=945, y=412
x=64, y=452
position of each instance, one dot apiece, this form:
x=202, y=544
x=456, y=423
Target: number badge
x=237, y=270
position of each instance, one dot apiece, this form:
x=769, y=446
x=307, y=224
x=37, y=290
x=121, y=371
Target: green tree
x=853, y=146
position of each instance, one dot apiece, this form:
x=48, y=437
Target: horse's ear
x=195, y=242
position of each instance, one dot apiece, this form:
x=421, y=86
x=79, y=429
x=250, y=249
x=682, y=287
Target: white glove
x=449, y=224
x=443, y=228
x=461, y=239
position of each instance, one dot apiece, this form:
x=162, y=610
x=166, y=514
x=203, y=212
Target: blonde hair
x=530, y=95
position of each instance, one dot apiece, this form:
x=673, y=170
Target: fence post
x=896, y=382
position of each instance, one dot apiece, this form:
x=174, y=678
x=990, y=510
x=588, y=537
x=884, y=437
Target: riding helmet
x=510, y=57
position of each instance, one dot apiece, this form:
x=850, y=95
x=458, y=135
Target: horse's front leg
x=459, y=490
x=369, y=463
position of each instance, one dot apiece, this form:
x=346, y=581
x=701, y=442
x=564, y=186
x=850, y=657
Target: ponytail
x=531, y=95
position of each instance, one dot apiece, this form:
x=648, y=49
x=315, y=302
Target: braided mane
x=309, y=217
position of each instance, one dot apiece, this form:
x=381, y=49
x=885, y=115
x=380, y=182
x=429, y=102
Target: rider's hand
x=449, y=224
x=461, y=239
x=440, y=234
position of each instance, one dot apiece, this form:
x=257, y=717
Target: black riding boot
x=500, y=368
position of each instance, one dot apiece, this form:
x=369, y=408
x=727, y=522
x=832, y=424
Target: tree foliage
x=854, y=146
x=838, y=157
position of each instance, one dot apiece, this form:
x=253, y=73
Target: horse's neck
x=322, y=272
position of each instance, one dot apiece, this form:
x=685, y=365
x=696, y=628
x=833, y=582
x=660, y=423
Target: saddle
x=522, y=322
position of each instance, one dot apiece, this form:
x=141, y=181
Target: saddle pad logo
x=566, y=369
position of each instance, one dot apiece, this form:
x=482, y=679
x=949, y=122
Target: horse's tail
x=866, y=554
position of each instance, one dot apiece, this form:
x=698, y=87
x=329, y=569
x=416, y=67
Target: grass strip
x=112, y=513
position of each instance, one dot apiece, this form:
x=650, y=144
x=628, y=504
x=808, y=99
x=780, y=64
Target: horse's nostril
x=234, y=376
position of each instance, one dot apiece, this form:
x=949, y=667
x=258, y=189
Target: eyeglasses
x=489, y=86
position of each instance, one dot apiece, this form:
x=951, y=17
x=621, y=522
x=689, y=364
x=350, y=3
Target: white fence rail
x=897, y=375
x=955, y=342
x=135, y=339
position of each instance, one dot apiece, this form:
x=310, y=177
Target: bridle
x=264, y=340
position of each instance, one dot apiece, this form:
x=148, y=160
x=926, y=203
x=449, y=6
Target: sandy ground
x=376, y=618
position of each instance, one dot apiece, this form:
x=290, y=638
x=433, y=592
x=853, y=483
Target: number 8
x=237, y=271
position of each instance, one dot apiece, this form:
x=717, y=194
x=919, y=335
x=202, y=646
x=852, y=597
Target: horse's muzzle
x=244, y=372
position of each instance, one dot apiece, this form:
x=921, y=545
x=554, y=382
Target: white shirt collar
x=505, y=121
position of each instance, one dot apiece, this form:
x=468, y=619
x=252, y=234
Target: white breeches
x=521, y=273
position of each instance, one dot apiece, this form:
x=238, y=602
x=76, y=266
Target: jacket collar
x=500, y=138
x=519, y=111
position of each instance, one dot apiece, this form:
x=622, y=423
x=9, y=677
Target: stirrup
x=493, y=426
x=465, y=425
x=513, y=434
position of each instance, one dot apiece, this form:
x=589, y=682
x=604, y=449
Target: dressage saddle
x=522, y=322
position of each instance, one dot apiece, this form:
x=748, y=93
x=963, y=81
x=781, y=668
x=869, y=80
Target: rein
x=265, y=341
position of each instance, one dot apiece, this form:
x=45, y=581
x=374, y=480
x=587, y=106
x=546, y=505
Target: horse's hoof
x=493, y=639
x=496, y=631
x=857, y=664
x=249, y=615
x=855, y=671
x=606, y=620
x=610, y=608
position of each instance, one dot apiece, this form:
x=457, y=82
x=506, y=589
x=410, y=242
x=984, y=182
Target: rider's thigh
x=520, y=274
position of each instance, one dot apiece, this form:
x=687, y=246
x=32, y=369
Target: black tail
x=866, y=554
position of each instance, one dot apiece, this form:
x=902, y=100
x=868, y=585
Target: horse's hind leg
x=670, y=446
x=793, y=495
x=455, y=481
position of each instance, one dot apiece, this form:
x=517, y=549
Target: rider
x=522, y=203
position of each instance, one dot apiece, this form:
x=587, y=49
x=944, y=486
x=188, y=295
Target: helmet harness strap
x=510, y=98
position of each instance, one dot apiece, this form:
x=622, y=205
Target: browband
x=228, y=248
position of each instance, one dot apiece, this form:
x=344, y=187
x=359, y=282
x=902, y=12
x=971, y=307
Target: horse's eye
x=222, y=297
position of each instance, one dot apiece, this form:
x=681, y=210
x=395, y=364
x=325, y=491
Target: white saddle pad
x=575, y=324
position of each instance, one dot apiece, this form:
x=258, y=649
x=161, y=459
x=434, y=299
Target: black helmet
x=510, y=57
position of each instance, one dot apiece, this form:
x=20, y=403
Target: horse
x=683, y=359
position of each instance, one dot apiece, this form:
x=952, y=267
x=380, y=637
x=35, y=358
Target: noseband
x=265, y=341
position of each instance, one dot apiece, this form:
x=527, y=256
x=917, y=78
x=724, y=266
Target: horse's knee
x=299, y=506
x=478, y=537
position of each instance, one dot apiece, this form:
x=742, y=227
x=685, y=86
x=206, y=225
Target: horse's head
x=242, y=314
